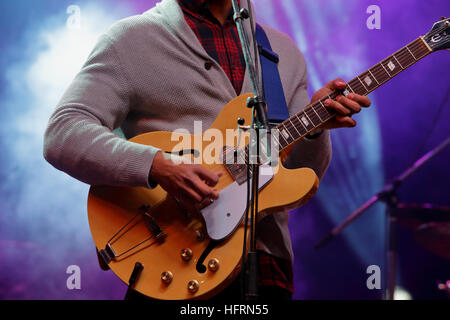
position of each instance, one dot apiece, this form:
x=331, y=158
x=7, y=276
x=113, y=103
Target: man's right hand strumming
x=191, y=184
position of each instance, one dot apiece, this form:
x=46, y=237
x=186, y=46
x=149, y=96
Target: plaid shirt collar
x=200, y=8
x=195, y=6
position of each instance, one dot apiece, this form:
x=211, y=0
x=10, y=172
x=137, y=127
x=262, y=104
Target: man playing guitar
x=178, y=63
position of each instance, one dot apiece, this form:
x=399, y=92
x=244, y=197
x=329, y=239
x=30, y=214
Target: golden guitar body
x=110, y=208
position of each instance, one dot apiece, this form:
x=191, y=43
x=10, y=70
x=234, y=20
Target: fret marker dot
x=391, y=65
x=346, y=92
x=305, y=121
x=368, y=81
x=285, y=134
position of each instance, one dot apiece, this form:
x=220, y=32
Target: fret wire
x=298, y=120
x=301, y=130
x=287, y=124
x=423, y=52
x=400, y=50
x=406, y=56
x=320, y=118
x=298, y=124
x=324, y=110
x=362, y=83
x=411, y=53
x=282, y=135
x=348, y=84
x=315, y=115
x=413, y=46
x=400, y=55
x=333, y=95
x=309, y=118
x=424, y=43
x=356, y=85
x=301, y=122
x=295, y=127
x=373, y=76
x=417, y=44
x=378, y=72
x=418, y=48
x=386, y=70
x=397, y=55
x=398, y=62
x=361, y=89
x=322, y=104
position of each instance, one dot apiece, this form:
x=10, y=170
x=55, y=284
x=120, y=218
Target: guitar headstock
x=439, y=36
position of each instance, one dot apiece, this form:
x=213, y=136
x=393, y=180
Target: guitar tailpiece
x=105, y=256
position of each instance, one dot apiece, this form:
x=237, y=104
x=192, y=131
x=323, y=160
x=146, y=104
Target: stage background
x=43, y=222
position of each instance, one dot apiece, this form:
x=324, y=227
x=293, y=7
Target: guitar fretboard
x=314, y=115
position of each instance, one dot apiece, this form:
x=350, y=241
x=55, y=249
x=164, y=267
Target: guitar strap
x=277, y=110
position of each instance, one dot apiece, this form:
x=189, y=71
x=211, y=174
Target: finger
x=188, y=193
x=345, y=121
x=206, y=202
x=203, y=189
x=336, y=84
x=332, y=104
x=211, y=178
x=353, y=106
x=185, y=200
x=362, y=100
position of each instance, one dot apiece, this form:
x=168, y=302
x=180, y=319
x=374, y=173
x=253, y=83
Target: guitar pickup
x=152, y=225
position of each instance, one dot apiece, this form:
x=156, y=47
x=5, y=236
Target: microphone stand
x=259, y=122
x=387, y=195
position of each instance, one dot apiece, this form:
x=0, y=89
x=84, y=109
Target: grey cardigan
x=147, y=73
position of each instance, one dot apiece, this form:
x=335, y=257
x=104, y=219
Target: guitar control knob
x=199, y=235
x=241, y=121
x=166, y=277
x=186, y=254
x=213, y=265
x=193, y=286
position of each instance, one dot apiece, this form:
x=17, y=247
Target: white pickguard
x=224, y=215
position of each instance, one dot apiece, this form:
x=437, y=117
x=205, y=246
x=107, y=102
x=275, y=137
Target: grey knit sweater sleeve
x=79, y=139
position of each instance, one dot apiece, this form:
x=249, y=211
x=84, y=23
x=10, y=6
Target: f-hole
x=201, y=268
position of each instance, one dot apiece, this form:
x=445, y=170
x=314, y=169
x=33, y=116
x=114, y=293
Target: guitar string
x=317, y=112
x=400, y=54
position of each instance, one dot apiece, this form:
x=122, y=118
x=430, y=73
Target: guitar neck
x=314, y=115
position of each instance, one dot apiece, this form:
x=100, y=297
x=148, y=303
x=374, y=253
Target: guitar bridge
x=152, y=225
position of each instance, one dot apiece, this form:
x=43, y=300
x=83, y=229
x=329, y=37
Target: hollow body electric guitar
x=186, y=253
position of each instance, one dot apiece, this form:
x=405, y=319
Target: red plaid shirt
x=223, y=45
x=220, y=42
